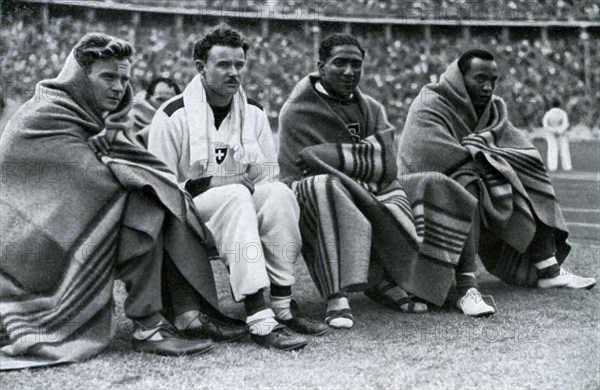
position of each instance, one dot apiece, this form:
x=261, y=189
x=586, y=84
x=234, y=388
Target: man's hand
x=102, y=142
x=239, y=178
x=304, y=168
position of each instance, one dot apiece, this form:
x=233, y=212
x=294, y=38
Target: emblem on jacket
x=354, y=129
x=220, y=154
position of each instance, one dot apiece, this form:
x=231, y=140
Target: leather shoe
x=280, y=338
x=303, y=324
x=162, y=339
x=217, y=329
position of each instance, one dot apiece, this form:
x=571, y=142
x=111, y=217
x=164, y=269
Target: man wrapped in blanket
x=459, y=128
x=82, y=204
x=359, y=228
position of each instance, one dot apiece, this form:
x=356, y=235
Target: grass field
x=539, y=339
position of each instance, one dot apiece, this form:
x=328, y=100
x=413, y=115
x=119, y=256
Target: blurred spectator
x=555, y=126
x=145, y=104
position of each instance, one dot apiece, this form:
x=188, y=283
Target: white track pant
x=556, y=145
x=257, y=234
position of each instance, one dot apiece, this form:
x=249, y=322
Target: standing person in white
x=556, y=123
x=219, y=143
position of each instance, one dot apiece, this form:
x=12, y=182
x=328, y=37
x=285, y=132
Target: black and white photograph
x=286, y=194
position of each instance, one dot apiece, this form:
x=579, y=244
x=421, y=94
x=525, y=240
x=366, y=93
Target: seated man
x=459, y=128
x=359, y=227
x=158, y=91
x=71, y=223
x=220, y=144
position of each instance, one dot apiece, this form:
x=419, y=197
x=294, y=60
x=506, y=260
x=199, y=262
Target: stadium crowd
x=395, y=71
x=415, y=9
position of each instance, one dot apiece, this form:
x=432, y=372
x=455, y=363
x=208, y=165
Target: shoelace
x=565, y=272
x=477, y=297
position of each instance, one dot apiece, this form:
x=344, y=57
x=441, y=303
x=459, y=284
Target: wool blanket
x=141, y=113
x=409, y=227
x=69, y=219
x=444, y=134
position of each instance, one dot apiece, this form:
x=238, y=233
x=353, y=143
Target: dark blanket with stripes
x=443, y=134
x=68, y=220
x=355, y=215
x=416, y=236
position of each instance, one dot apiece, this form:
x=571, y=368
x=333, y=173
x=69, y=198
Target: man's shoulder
x=171, y=107
x=256, y=104
x=371, y=100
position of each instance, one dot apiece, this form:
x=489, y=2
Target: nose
x=348, y=70
x=119, y=86
x=487, y=86
x=233, y=71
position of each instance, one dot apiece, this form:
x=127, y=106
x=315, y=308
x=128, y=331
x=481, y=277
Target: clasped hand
x=101, y=143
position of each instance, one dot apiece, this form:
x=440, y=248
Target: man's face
x=480, y=81
x=341, y=73
x=109, y=78
x=222, y=71
x=162, y=93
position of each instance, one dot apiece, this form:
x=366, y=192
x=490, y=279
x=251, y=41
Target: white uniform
x=556, y=123
x=257, y=234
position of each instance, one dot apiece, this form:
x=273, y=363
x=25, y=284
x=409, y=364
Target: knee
x=281, y=201
x=237, y=195
x=283, y=193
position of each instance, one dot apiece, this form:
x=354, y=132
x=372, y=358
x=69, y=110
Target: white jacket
x=169, y=140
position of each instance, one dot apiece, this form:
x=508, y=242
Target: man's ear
x=320, y=67
x=199, y=65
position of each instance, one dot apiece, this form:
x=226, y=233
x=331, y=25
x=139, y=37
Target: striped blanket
x=444, y=134
x=69, y=221
x=417, y=239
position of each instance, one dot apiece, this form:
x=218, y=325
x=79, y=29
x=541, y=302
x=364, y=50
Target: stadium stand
x=536, y=66
x=420, y=9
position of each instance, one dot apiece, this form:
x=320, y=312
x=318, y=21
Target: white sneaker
x=473, y=305
x=565, y=279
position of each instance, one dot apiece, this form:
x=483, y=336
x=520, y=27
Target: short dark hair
x=464, y=62
x=223, y=35
x=334, y=40
x=98, y=46
x=157, y=80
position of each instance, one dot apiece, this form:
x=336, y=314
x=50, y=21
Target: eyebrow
x=346, y=59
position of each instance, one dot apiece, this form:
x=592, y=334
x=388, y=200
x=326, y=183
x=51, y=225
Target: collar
x=319, y=87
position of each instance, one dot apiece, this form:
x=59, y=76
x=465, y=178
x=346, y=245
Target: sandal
x=403, y=305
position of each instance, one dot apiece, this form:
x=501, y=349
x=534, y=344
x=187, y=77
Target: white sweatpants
x=556, y=145
x=257, y=234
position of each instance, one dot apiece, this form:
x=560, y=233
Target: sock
x=335, y=304
x=150, y=321
x=464, y=281
x=262, y=323
x=391, y=290
x=548, y=268
x=254, y=303
x=281, y=307
x=338, y=303
x=184, y=320
x=281, y=297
